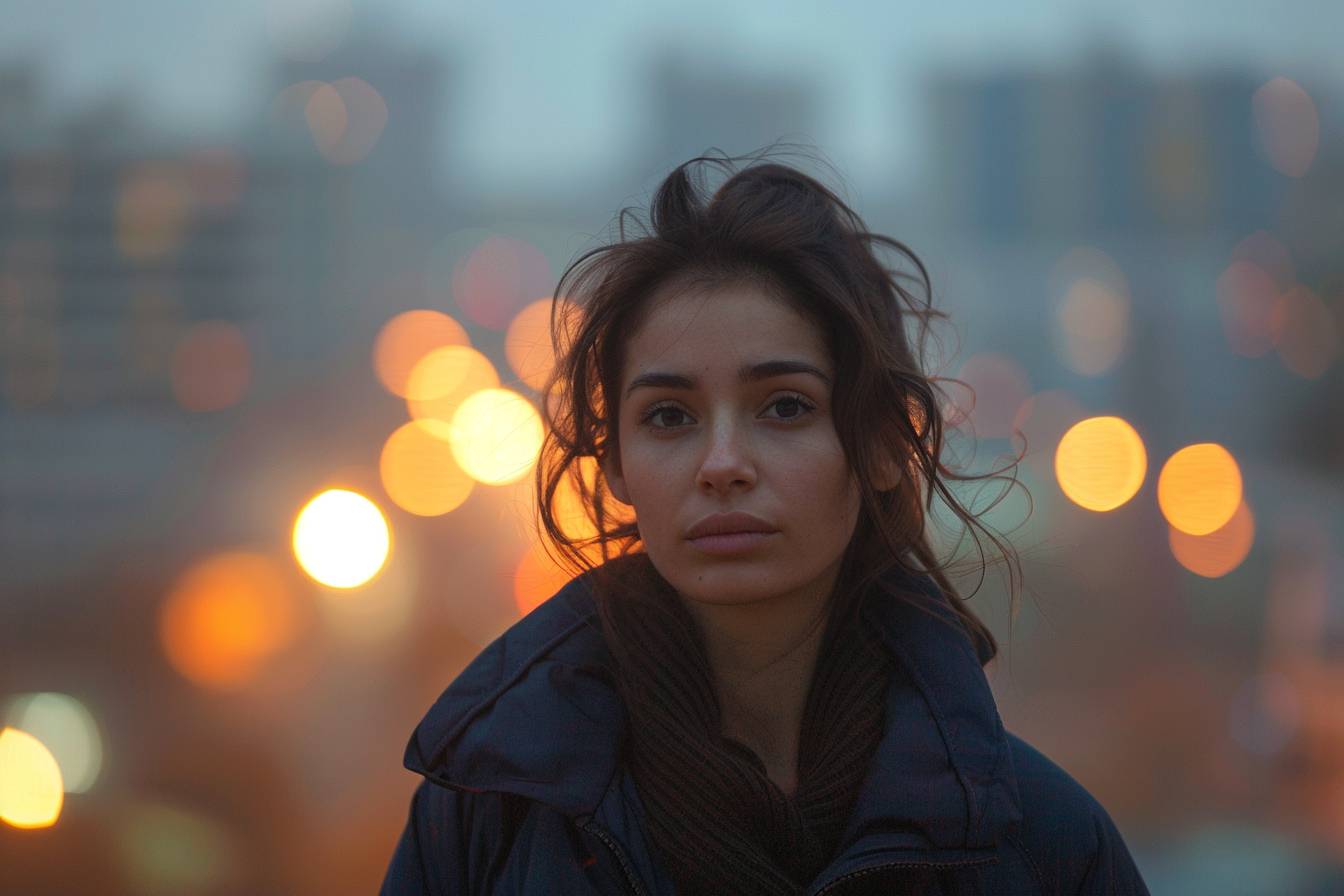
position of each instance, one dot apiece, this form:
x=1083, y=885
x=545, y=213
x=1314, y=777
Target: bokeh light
x=569, y=508
x=1308, y=335
x=341, y=539
x=165, y=850
x=420, y=474
x=1085, y=263
x=442, y=380
x=498, y=278
x=999, y=385
x=152, y=208
x=1092, y=327
x=327, y=117
x=1267, y=252
x=363, y=116
x=66, y=727
x=226, y=617
x=211, y=366
x=1248, y=305
x=1100, y=463
x=527, y=344
x=374, y=618
x=1287, y=128
x=1220, y=551
x=537, y=578
x=1199, y=488
x=496, y=435
x=31, y=792
x=405, y=339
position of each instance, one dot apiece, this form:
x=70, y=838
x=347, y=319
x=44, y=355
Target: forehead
x=721, y=328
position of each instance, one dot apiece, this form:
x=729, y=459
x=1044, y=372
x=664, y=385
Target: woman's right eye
x=656, y=410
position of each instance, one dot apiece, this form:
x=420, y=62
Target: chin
x=735, y=582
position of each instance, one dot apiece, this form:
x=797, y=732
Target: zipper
x=885, y=865
x=602, y=834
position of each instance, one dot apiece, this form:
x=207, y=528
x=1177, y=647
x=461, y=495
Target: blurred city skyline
x=522, y=80
x=221, y=268
x=324, y=206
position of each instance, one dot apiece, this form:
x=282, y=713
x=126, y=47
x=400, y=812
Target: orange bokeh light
x=527, y=344
x=1307, y=335
x=419, y=473
x=407, y=338
x=363, y=117
x=1100, y=463
x=1199, y=488
x=31, y=789
x=1248, y=301
x=1219, y=552
x=443, y=379
x=1093, y=326
x=226, y=617
x=1287, y=125
x=537, y=578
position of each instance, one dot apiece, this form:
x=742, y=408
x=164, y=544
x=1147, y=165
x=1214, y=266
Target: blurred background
x=274, y=279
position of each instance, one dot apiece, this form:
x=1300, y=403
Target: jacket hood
x=536, y=713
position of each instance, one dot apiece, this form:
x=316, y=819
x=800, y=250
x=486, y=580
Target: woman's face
x=697, y=438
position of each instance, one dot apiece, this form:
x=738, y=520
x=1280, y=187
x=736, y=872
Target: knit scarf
x=714, y=817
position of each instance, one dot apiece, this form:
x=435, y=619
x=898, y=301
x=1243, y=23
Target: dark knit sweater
x=717, y=820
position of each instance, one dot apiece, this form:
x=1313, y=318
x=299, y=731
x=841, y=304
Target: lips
x=729, y=524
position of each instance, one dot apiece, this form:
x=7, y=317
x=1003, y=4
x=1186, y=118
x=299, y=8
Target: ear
x=888, y=469
x=888, y=475
x=611, y=471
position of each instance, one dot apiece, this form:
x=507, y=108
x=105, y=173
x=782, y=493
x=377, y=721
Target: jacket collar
x=536, y=713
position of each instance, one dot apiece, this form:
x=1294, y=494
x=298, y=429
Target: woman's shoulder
x=452, y=836
x=1068, y=836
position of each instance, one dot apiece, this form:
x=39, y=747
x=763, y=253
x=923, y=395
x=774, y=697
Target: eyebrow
x=747, y=373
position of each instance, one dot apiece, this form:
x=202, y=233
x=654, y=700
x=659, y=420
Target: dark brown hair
x=774, y=227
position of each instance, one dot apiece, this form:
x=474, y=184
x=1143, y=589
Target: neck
x=763, y=656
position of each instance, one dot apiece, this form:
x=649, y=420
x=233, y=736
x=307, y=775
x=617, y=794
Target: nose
x=728, y=460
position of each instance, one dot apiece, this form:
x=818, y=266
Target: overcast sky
x=562, y=69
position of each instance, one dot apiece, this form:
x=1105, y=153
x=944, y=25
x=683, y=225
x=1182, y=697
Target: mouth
x=730, y=543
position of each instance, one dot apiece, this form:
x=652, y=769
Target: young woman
x=759, y=679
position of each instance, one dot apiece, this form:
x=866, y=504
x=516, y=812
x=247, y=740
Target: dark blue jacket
x=524, y=792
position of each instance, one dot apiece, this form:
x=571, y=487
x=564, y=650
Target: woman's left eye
x=794, y=399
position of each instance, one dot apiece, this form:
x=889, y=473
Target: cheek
x=652, y=486
x=818, y=469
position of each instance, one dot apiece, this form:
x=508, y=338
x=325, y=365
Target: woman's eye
x=657, y=413
x=802, y=407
